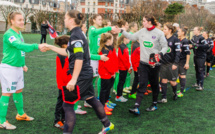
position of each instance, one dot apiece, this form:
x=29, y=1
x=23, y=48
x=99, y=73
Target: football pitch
x=194, y=113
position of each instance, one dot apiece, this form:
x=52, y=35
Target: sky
x=210, y=0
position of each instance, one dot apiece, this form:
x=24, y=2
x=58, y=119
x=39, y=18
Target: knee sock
x=183, y=83
x=18, y=100
x=208, y=69
x=4, y=101
x=99, y=86
x=100, y=112
x=164, y=89
x=174, y=89
x=116, y=82
x=128, y=80
x=70, y=118
x=76, y=105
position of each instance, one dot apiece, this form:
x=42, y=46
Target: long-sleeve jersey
x=129, y=45
x=173, y=52
x=78, y=49
x=62, y=67
x=123, y=57
x=185, y=49
x=211, y=45
x=135, y=55
x=108, y=68
x=14, y=48
x=200, y=46
x=94, y=36
x=152, y=41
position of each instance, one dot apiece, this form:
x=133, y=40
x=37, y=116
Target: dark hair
x=184, y=29
x=93, y=18
x=79, y=17
x=170, y=27
x=83, y=23
x=120, y=40
x=132, y=24
x=11, y=16
x=105, y=22
x=213, y=38
x=121, y=23
x=152, y=19
x=61, y=40
x=104, y=38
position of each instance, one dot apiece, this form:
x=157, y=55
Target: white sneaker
x=79, y=106
x=87, y=105
x=121, y=99
x=79, y=111
x=126, y=90
x=114, y=91
x=162, y=100
x=6, y=125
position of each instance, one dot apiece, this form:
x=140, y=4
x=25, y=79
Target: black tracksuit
x=200, y=48
x=43, y=32
x=185, y=50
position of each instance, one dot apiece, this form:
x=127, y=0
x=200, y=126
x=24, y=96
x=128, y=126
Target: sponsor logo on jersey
x=78, y=44
x=8, y=89
x=169, y=50
x=12, y=39
x=148, y=44
x=153, y=37
x=22, y=53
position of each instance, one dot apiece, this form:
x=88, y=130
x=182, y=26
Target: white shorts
x=95, y=66
x=12, y=78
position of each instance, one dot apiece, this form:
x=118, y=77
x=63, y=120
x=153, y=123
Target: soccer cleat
x=130, y=88
x=109, y=106
x=180, y=95
x=107, y=129
x=79, y=106
x=184, y=90
x=111, y=103
x=207, y=74
x=211, y=68
x=163, y=100
x=146, y=93
x=121, y=99
x=79, y=111
x=108, y=112
x=135, y=111
x=24, y=117
x=149, y=85
x=59, y=124
x=87, y=105
x=114, y=91
x=132, y=96
x=124, y=94
x=195, y=85
x=152, y=108
x=149, y=91
x=178, y=91
x=126, y=90
x=108, y=109
x=6, y=125
x=199, y=88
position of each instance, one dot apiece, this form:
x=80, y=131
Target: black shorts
x=181, y=69
x=86, y=88
x=166, y=72
x=209, y=58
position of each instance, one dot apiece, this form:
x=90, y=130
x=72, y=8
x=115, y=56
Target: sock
x=174, y=89
x=94, y=82
x=138, y=101
x=99, y=86
x=164, y=89
x=116, y=82
x=4, y=101
x=76, y=105
x=18, y=100
x=154, y=104
x=208, y=69
x=70, y=118
x=183, y=83
x=100, y=112
x=128, y=80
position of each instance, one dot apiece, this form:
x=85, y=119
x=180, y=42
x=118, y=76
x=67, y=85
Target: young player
x=62, y=67
x=81, y=71
x=183, y=65
x=124, y=66
x=12, y=67
x=209, y=57
x=200, y=47
x=153, y=45
x=170, y=61
x=107, y=69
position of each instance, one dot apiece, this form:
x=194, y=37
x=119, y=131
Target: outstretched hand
x=115, y=30
x=43, y=47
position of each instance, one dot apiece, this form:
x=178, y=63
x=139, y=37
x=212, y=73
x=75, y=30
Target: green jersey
x=94, y=36
x=14, y=48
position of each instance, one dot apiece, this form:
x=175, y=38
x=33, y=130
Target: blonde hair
x=104, y=38
x=120, y=40
x=11, y=16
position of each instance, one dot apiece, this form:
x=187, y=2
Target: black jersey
x=185, y=49
x=173, y=52
x=211, y=45
x=78, y=49
x=200, y=46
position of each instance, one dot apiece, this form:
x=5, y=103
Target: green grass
x=194, y=113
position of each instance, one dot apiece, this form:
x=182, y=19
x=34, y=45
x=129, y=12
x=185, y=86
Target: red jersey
x=108, y=68
x=123, y=57
x=135, y=55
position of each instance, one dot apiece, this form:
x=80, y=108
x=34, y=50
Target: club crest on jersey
x=12, y=39
x=153, y=37
x=170, y=43
x=148, y=44
x=22, y=39
x=22, y=53
x=78, y=44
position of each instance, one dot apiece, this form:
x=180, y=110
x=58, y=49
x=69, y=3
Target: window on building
x=93, y=10
x=110, y=4
x=94, y=3
x=27, y=6
x=88, y=10
x=106, y=4
x=105, y=9
x=121, y=5
x=33, y=1
x=21, y=1
x=115, y=5
x=115, y=11
x=32, y=6
x=88, y=3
